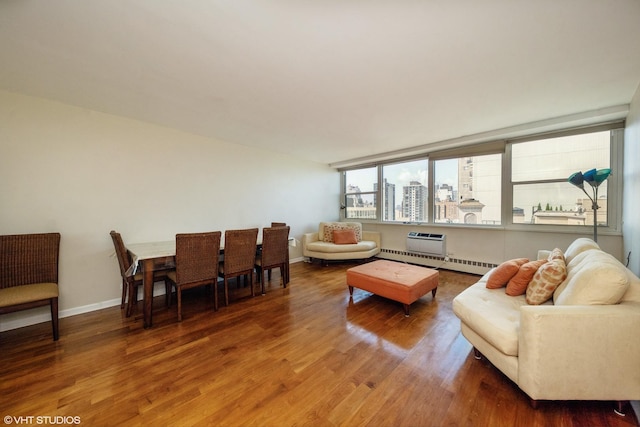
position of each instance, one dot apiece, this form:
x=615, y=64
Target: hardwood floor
x=304, y=355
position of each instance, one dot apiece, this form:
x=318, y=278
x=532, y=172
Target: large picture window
x=405, y=191
x=361, y=186
x=468, y=190
x=467, y=185
x=539, y=173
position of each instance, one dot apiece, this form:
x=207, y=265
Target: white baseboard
x=32, y=318
x=42, y=314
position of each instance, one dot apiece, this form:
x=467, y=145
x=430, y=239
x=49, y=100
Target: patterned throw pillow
x=504, y=272
x=556, y=254
x=329, y=228
x=545, y=281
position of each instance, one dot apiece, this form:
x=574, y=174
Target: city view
x=467, y=190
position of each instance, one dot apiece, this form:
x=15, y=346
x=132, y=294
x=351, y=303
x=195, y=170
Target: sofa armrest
x=371, y=236
x=310, y=237
x=306, y=239
x=580, y=352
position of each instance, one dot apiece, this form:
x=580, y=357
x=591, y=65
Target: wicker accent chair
x=29, y=273
x=130, y=283
x=239, y=257
x=274, y=254
x=197, y=256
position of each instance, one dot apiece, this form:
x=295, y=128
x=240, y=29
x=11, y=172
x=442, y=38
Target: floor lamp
x=594, y=178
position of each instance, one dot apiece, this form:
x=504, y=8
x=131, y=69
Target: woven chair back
x=197, y=256
x=124, y=259
x=239, y=250
x=275, y=246
x=29, y=258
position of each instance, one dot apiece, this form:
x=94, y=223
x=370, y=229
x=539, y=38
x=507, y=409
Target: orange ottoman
x=397, y=281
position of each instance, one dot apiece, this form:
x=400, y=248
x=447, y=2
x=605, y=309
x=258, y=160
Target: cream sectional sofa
x=320, y=244
x=583, y=344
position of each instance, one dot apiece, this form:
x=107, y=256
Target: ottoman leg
x=351, y=290
x=406, y=310
x=433, y=292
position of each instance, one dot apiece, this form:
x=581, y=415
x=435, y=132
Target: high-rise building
x=414, y=201
x=389, y=198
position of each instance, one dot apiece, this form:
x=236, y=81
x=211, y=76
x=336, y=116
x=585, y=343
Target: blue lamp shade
x=577, y=179
x=590, y=177
x=602, y=175
x=593, y=177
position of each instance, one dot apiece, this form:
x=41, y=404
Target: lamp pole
x=594, y=178
x=594, y=206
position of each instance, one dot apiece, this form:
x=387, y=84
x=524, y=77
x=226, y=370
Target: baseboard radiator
x=450, y=263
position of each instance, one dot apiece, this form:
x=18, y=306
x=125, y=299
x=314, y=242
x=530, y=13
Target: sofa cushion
x=325, y=230
x=633, y=292
x=492, y=314
x=548, y=277
x=594, y=277
x=518, y=283
x=501, y=275
x=326, y=247
x=344, y=237
x=577, y=247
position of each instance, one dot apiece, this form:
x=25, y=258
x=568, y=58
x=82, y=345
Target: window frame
x=614, y=189
x=504, y=147
x=344, y=194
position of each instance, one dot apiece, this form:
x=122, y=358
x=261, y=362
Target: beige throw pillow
x=548, y=277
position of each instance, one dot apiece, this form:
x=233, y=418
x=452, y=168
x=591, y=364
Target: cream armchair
x=321, y=244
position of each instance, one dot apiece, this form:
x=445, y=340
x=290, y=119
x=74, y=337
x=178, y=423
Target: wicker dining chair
x=286, y=273
x=197, y=257
x=130, y=283
x=239, y=257
x=274, y=254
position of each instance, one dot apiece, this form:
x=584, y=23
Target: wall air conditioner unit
x=427, y=243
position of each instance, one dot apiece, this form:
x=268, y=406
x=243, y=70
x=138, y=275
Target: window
x=405, y=191
x=468, y=190
x=466, y=185
x=361, y=186
x=539, y=173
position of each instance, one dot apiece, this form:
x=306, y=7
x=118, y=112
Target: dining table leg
x=147, y=284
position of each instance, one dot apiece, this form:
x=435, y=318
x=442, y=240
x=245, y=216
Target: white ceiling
x=327, y=80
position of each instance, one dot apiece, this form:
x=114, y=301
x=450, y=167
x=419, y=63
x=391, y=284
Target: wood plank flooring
x=307, y=355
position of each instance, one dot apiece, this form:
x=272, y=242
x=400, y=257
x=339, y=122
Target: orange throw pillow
x=518, y=283
x=344, y=237
x=504, y=272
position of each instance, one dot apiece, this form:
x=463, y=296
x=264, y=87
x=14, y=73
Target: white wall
x=631, y=190
x=484, y=245
x=84, y=173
